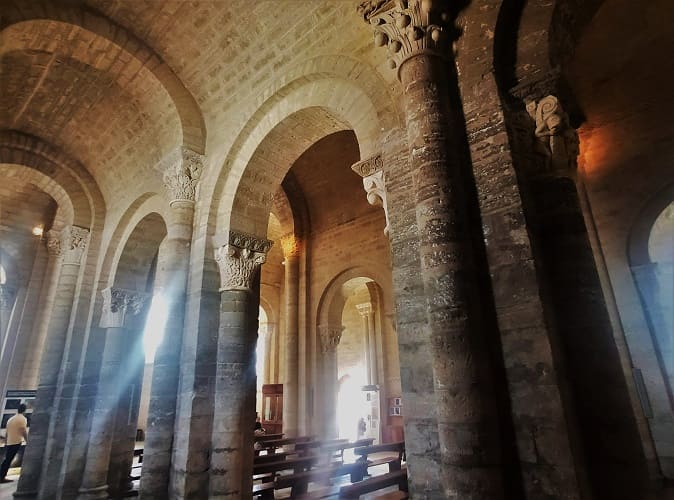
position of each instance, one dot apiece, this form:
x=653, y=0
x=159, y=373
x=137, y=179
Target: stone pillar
x=231, y=467
x=45, y=307
x=365, y=311
x=10, y=301
x=68, y=246
x=126, y=417
x=329, y=339
x=291, y=384
x=467, y=415
x=180, y=178
x=274, y=354
x=614, y=455
x=123, y=317
x=268, y=352
x=7, y=296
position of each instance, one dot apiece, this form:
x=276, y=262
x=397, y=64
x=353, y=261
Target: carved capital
x=556, y=139
x=54, y=243
x=70, y=244
x=364, y=309
x=368, y=166
x=330, y=337
x=371, y=170
x=123, y=308
x=182, y=170
x=239, y=259
x=290, y=246
x=408, y=27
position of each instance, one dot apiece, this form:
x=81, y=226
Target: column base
x=93, y=493
x=25, y=494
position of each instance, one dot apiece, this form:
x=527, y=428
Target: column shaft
x=50, y=368
x=614, y=455
x=170, y=286
x=291, y=383
x=467, y=415
x=232, y=455
x=111, y=389
x=126, y=418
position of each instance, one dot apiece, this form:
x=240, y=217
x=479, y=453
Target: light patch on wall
x=154, y=327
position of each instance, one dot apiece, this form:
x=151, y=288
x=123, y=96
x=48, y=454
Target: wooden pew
x=272, y=444
x=334, y=448
x=395, y=478
x=268, y=437
x=394, y=462
x=265, y=491
x=306, y=447
x=297, y=464
x=299, y=482
x=274, y=457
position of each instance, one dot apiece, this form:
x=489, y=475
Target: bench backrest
x=375, y=483
x=290, y=463
x=364, y=451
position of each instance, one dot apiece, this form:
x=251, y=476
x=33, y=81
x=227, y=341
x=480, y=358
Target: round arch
x=150, y=208
x=65, y=212
x=326, y=106
x=331, y=302
x=637, y=241
x=93, y=25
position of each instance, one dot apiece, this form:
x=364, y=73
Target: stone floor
x=6, y=490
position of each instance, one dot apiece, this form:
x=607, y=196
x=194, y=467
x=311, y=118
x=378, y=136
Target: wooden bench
x=265, y=491
x=274, y=457
x=298, y=464
x=311, y=446
x=271, y=445
x=394, y=462
x=138, y=452
x=299, y=482
x=338, y=448
x=395, y=478
x=268, y=437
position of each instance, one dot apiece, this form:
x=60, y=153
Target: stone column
x=180, y=179
x=10, y=301
x=7, y=296
x=268, y=353
x=68, y=246
x=366, y=313
x=128, y=407
x=45, y=307
x=614, y=456
x=291, y=384
x=329, y=339
x=231, y=467
x=418, y=41
x=123, y=317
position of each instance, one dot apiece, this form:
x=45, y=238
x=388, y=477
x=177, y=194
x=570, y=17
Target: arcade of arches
x=453, y=220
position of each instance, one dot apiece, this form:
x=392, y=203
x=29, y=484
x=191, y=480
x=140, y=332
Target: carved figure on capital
x=330, y=337
x=239, y=259
x=70, y=244
x=182, y=174
x=372, y=172
x=122, y=307
x=408, y=27
x=556, y=139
